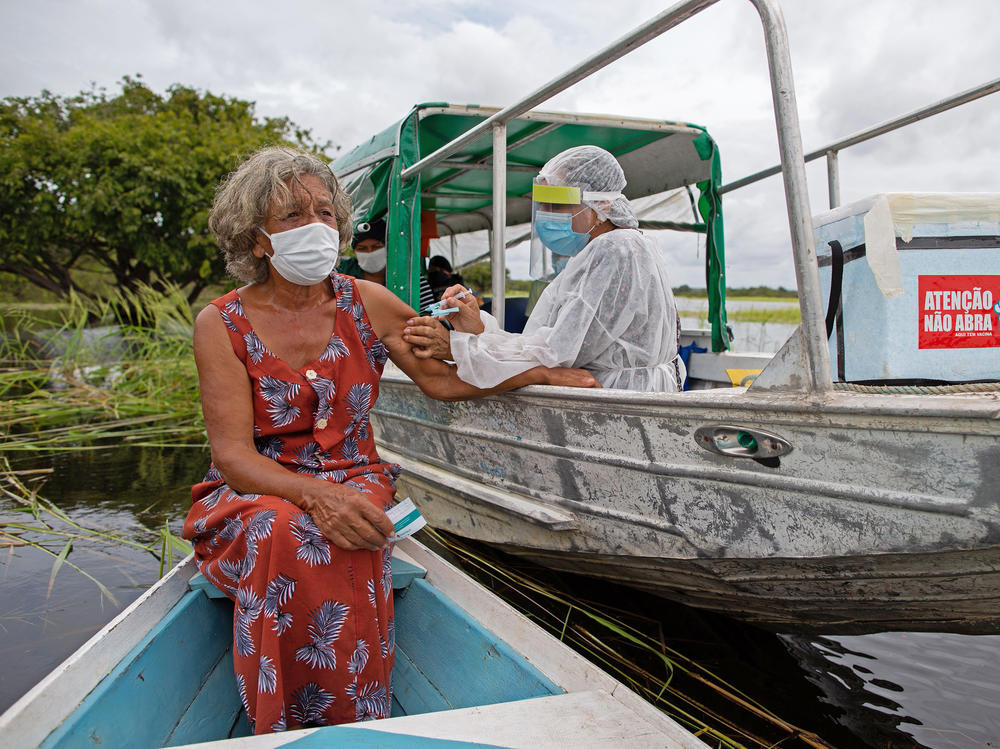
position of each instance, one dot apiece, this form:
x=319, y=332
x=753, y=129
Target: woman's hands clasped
x=347, y=517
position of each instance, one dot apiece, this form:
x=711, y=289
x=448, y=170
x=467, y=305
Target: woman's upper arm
x=226, y=397
x=388, y=315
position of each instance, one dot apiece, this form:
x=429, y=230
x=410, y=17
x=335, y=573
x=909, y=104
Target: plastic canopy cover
x=657, y=156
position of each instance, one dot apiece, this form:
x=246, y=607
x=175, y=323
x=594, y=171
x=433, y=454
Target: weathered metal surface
x=885, y=514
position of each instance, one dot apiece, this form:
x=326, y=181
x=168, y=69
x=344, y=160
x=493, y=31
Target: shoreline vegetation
x=68, y=384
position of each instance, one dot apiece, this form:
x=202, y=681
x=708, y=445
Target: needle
x=437, y=311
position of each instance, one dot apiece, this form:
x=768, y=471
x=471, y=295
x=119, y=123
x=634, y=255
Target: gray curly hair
x=246, y=197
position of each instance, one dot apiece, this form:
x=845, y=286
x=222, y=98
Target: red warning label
x=959, y=311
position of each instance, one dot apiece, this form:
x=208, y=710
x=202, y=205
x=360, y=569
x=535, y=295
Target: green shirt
x=349, y=267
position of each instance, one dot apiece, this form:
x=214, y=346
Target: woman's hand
x=429, y=338
x=574, y=378
x=346, y=516
x=467, y=319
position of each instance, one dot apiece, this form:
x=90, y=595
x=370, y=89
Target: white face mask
x=371, y=262
x=306, y=254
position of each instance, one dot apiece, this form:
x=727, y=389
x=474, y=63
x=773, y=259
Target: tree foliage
x=121, y=184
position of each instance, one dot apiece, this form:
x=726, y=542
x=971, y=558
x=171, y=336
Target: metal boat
x=801, y=499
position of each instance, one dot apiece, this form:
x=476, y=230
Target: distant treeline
x=779, y=293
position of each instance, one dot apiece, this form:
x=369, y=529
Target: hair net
x=610, y=311
x=592, y=169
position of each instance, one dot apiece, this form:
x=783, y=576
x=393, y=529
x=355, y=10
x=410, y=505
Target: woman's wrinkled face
x=311, y=203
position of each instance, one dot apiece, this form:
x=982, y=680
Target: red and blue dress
x=313, y=629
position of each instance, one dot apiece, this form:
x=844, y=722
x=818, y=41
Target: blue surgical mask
x=555, y=230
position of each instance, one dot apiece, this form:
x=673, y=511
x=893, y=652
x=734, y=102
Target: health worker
x=609, y=309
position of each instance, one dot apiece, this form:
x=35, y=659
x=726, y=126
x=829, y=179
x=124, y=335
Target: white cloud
x=348, y=69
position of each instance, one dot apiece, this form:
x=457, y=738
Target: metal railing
x=789, y=145
x=831, y=150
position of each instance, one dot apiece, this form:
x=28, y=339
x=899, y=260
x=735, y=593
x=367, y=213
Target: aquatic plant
x=631, y=648
x=74, y=385
x=33, y=521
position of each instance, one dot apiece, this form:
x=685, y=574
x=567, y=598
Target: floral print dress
x=313, y=630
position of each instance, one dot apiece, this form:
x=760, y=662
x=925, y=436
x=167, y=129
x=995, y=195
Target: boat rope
x=970, y=387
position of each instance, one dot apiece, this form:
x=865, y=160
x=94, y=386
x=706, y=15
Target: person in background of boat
x=441, y=276
x=290, y=519
x=369, y=253
x=370, y=256
x=610, y=309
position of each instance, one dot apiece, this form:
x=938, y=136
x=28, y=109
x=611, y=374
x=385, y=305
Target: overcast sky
x=349, y=68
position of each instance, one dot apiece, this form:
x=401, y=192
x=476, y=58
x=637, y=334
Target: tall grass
x=71, y=386
x=632, y=648
x=33, y=521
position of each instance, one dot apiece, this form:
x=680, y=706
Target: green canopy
x=456, y=195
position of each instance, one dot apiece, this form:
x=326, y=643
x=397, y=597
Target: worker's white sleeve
x=610, y=311
x=487, y=359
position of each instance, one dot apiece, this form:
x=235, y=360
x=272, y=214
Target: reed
x=632, y=648
x=73, y=386
x=33, y=521
x=789, y=315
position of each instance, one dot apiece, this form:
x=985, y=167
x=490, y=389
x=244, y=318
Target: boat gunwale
x=31, y=719
x=980, y=406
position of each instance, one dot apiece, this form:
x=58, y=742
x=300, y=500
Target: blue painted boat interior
x=177, y=685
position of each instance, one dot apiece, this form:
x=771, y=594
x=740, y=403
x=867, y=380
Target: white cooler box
x=918, y=297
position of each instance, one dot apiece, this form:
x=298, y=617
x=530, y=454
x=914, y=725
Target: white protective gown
x=610, y=311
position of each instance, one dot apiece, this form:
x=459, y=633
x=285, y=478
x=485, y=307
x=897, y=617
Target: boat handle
x=741, y=442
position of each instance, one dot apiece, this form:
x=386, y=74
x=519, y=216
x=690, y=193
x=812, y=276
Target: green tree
x=479, y=276
x=122, y=184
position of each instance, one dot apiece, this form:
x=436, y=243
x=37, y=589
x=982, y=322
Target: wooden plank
x=591, y=719
x=354, y=737
x=582, y=719
x=139, y=702
x=467, y=663
x=412, y=692
x=214, y=710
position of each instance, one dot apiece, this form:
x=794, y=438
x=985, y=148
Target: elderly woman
x=610, y=308
x=290, y=519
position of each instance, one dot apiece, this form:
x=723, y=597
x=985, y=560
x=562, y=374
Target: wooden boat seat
x=591, y=718
x=403, y=573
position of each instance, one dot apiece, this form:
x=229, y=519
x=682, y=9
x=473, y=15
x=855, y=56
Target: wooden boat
x=795, y=503
x=469, y=669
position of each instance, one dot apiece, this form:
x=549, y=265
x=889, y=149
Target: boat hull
x=883, y=516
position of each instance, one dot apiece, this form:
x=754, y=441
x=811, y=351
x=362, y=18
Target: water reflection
x=940, y=689
x=129, y=491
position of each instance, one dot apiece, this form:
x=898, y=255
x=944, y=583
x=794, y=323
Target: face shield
x=553, y=238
